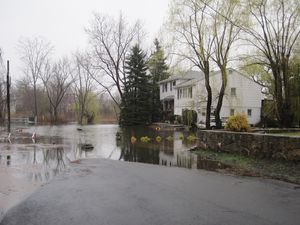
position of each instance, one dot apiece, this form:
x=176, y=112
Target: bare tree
x=57, y=80
x=274, y=33
x=23, y=91
x=34, y=54
x=83, y=83
x=228, y=17
x=110, y=41
x=192, y=34
x=2, y=89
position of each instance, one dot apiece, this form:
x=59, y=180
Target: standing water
x=27, y=163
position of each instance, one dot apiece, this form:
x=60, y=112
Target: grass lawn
x=248, y=166
x=292, y=134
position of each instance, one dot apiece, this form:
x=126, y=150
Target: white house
x=188, y=91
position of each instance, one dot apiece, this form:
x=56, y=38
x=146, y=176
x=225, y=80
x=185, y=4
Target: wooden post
x=8, y=97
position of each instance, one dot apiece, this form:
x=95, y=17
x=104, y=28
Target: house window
x=165, y=87
x=190, y=92
x=179, y=93
x=174, y=83
x=231, y=112
x=233, y=91
x=249, y=112
x=185, y=93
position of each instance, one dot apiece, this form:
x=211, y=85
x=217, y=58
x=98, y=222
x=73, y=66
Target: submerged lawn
x=248, y=166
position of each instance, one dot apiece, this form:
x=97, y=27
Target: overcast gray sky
x=62, y=22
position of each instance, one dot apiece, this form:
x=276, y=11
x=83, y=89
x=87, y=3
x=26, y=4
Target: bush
x=189, y=117
x=238, y=123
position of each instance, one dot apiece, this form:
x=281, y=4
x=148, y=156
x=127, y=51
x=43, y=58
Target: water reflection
x=56, y=146
x=37, y=161
x=153, y=146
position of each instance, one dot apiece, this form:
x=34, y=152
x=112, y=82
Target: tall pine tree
x=136, y=102
x=158, y=71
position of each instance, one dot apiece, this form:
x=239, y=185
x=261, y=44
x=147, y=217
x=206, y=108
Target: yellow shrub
x=238, y=122
x=158, y=138
x=145, y=139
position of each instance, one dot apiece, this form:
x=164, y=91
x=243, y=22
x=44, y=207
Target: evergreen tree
x=136, y=102
x=158, y=71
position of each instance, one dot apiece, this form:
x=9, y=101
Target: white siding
x=248, y=96
x=169, y=92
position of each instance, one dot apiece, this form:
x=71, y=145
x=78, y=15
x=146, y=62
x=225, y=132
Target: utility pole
x=8, y=97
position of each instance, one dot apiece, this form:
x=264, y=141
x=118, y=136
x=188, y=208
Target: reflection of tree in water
x=55, y=158
x=143, y=152
x=53, y=163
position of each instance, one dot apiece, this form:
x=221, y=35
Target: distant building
x=187, y=91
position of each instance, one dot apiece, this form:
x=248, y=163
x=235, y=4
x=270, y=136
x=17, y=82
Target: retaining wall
x=268, y=146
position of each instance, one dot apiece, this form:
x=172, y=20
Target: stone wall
x=252, y=144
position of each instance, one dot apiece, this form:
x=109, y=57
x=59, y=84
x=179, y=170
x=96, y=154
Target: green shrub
x=238, y=123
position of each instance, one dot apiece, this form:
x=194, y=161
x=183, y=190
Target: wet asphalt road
x=99, y=191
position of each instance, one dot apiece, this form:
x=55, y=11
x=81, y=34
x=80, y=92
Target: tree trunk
x=35, y=102
x=55, y=115
x=81, y=114
x=282, y=96
x=209, y=95
x=220, y=99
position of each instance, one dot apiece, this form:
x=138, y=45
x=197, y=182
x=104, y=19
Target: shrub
x=238, y=123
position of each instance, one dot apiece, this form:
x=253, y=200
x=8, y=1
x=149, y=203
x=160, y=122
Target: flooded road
x=25, y=164
x=164, y=150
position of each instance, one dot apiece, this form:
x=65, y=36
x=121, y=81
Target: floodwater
x=25, y=164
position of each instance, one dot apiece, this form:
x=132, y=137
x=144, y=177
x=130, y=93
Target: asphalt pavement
x=106, y=192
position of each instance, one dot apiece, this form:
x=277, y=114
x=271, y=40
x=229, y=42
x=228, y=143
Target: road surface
x=99, y=191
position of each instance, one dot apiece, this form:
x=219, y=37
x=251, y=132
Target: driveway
x=99, y=191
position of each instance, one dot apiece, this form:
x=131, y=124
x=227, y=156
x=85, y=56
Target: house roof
x=191, y=77
x=187, y=83
x=186, y=76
